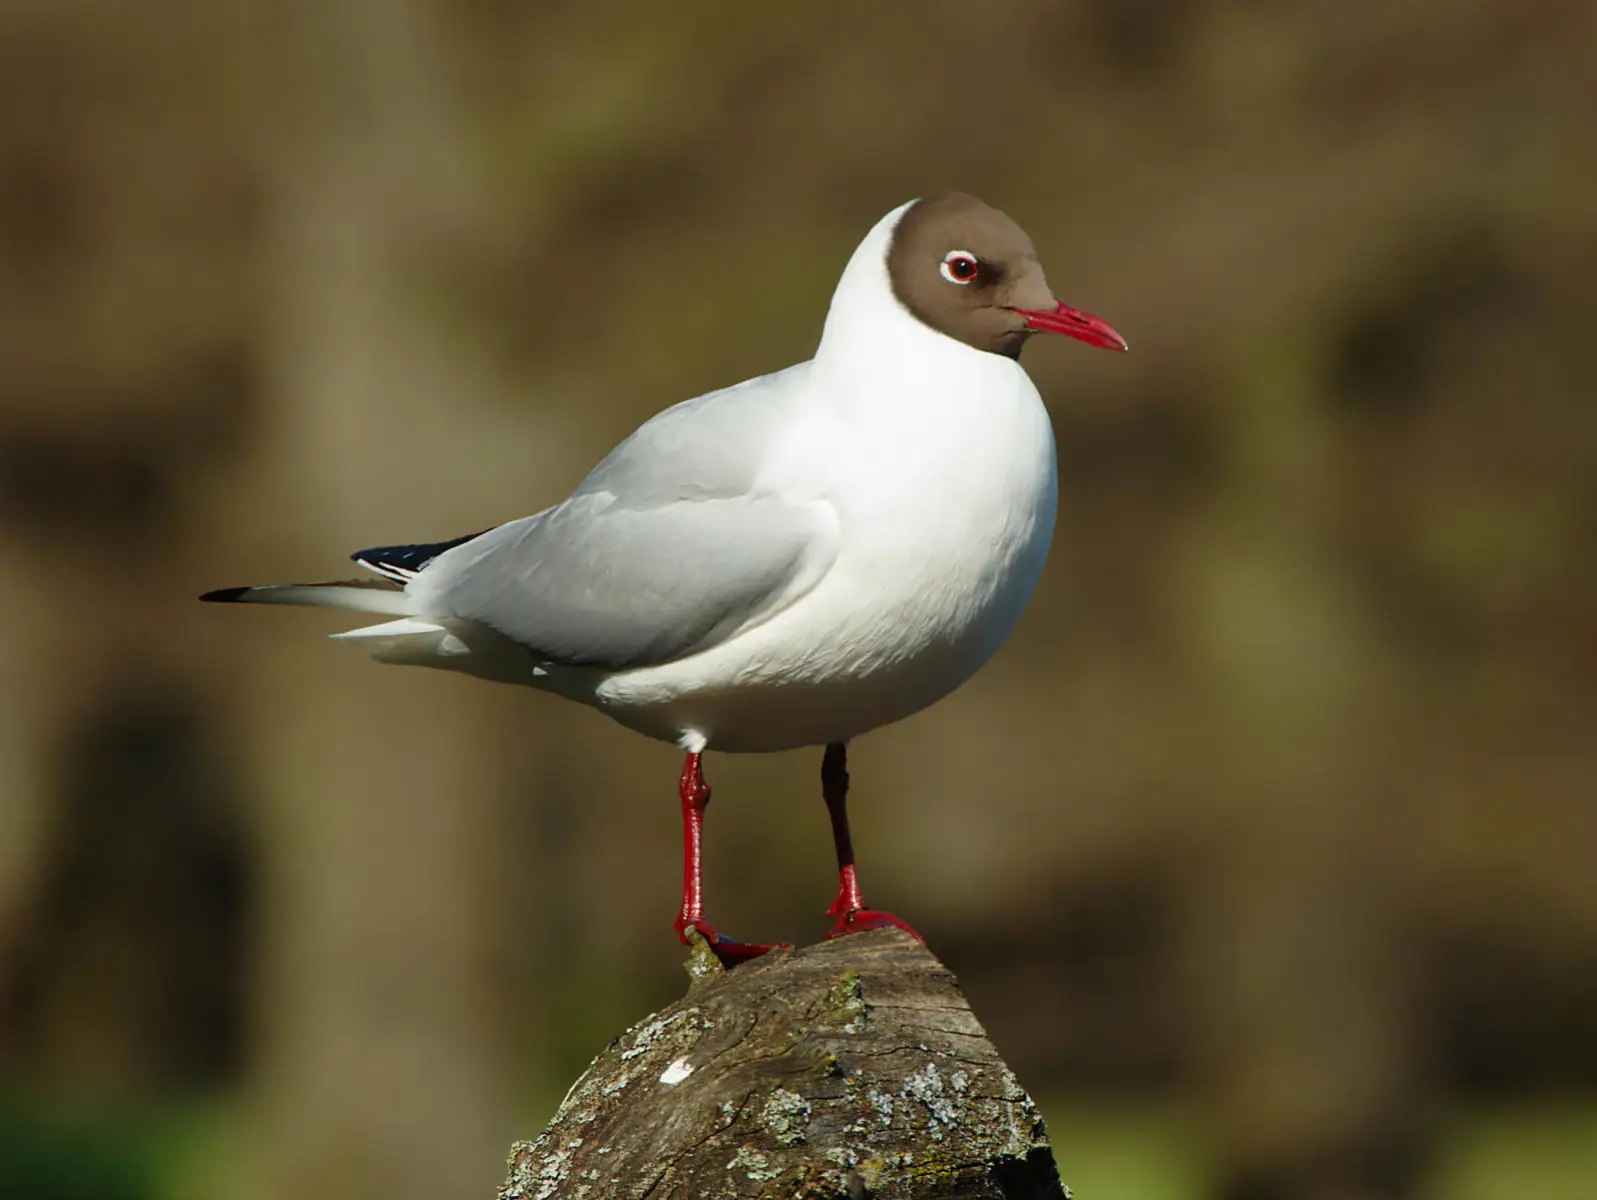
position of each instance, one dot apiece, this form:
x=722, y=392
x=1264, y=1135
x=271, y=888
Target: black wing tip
x=226, y=595
x=411, y=557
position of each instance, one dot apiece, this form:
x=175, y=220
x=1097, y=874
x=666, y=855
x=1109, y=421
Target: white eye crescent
x=960, y=266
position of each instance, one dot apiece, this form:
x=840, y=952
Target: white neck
x=870, y=336
x=864, y=309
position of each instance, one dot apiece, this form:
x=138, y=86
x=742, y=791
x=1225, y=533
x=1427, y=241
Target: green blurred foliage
x=46, y=1155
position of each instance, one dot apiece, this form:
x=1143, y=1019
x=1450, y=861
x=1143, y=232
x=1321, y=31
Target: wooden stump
x=853, y=1069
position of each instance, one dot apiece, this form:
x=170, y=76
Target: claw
x=860, y=919
x=730, y=951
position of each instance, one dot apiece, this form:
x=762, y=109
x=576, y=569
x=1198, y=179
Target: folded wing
x=595, y=582
x=669, y=546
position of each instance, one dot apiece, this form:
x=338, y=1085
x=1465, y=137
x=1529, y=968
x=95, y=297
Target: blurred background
x=1264, y=850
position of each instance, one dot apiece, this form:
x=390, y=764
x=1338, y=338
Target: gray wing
x=663, y=550
x=710, y=446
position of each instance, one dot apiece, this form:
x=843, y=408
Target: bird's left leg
x=849, y=909
x=695, y=794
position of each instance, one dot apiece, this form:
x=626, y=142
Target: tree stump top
x=854, y=1068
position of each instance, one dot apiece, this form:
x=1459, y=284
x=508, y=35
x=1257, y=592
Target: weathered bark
x=854, y=1068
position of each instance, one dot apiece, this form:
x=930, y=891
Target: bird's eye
x=959, y=266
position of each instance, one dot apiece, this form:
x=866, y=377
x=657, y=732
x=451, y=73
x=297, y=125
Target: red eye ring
x=959, y=266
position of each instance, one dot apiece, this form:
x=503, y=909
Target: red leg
x=849, y=909
x=695, y=799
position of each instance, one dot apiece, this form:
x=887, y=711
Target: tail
x=395, y=565
x=415, y=641
x=360, y=595
x=388, y=641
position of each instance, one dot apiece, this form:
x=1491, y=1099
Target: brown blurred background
x=1265, y=849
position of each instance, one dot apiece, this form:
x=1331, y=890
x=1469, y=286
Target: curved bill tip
x=1073, y=322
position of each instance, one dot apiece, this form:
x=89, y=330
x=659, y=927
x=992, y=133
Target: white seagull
x=788, y=562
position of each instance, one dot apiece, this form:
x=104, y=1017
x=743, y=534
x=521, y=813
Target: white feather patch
x=403, y=627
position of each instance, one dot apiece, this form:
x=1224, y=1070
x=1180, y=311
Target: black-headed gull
x=788, y=562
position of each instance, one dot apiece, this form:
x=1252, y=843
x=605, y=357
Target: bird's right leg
x=695, y=799
x=849, y=907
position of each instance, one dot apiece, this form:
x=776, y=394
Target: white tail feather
x=407, y=641
x=448, y=645
x=413, y=640
x=404, y=627
x=355, y=596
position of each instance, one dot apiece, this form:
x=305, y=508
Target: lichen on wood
x=850, y=1069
